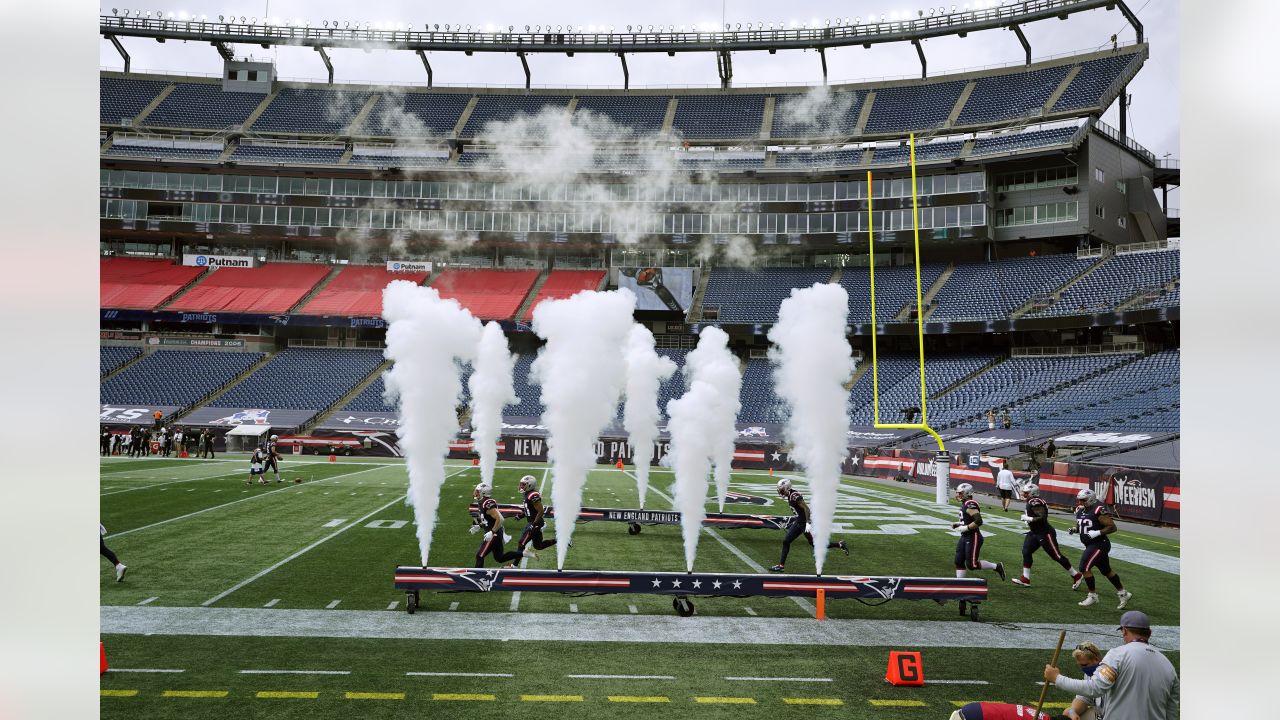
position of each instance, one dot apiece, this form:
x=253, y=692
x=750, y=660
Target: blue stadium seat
x=642, y=113
x=501, y=108
x=303, y=379
x=1116, y=280
x=988, y=291
x=1029, y=140
x=913, y=107
x=205, y=106
x=753, y=296
x=175, y=377
x=122, y=99
x=306, y=110
x=288, y=154
x=719, y=116
x=415, y=115
x=111, y=357
x=837, y=116
x=1094, y=78
x=1001, y=97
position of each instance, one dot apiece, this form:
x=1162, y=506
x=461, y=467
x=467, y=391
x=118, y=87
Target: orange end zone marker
x=333, y=458
x=102, y=663
x=822, y=604
x=619, y=465
x=905, y=668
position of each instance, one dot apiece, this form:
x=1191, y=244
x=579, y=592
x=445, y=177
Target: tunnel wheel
x=683, y=606
x=411, y=601
x=633, y=529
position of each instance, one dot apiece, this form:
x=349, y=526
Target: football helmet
x=964, y=491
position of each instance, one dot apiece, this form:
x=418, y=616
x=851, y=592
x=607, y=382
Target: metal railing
x=1074, y=350
x=1132, y=248
x=1126, y=141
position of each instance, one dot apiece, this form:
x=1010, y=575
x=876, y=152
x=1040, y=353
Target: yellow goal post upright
x=942, y=461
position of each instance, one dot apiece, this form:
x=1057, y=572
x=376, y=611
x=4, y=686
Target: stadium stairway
x=960, y=101
x=257, y=112
x=863, y=115
x=1146, y=295
x=669, y=120
x=122, y=366
x=343, y=401
x=462, y=122
x=766, y=119
x=1032, y=303
x=929, y=295
x=155, y=102
x=699, y=293
x=183, y=290
x=229, y=150
x=357, y=122
x=219, y=392
x=961, y=381
x=533, y=294
x=1062, y=87
x=333, y=273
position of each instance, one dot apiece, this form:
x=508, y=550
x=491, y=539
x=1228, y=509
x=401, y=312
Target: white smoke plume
x=816, y=113
x=491, y=389
x=812, y=362
x=646, y=370
x=582, y=371
x=702, y=429
x=427, y=337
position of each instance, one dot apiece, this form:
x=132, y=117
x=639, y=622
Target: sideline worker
x=1134, y=681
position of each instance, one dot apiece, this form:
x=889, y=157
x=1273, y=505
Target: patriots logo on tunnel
x=244, y=417
x=754, y=431
x=885, y=587
x=483, y=580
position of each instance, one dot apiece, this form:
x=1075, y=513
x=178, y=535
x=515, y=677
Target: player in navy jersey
x=534, y=511
x=1094, y=524
x=1040, y=534
x=257, y=465
x=799, y=524
x=273, y=457
x=491, y=522
x=970, y=544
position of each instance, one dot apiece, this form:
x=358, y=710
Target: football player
x=534, y=511
x=1040, y=534
x=273, y=458
x=1094, y=524
x=970, y=544
x=256, y=466
x=799, y=524
x=490, y=521
x=1001, y=711
x=105, y=552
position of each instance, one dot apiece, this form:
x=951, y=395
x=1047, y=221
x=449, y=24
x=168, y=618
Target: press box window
x=1099, y=175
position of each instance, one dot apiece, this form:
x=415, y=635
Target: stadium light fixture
x=113, y=11
x=857, y=20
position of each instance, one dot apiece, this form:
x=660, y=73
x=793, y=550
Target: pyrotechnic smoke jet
x=812, y=362
x=427, y=338
x=646, y=370
x=582, y=372
x=491, y=390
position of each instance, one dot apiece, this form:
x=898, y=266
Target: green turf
x=379, y=666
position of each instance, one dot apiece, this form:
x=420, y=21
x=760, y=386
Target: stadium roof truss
x=846, y=32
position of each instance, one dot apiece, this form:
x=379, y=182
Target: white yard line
x=783, y=679
x=295, y=672
x=148, y=601
x=146, y=670
x=297, y=555
x=394, y=604
x=233, y=502
x=958, y=682
x=171, y=482
x=272, y=602
x=457, y=674
x=621, y=677
x=332, y=605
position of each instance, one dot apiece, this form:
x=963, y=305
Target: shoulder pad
x=534, y=496
x=795, y=495
x=488, y=503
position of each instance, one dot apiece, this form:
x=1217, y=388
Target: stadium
x=278, y=257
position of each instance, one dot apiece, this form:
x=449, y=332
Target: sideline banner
x=117, y=414
x=230, y=417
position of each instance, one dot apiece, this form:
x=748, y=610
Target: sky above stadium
x=1154, y=120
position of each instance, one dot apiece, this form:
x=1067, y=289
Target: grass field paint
x=811, y=364
x=582, y=371
x=427, y=337
x=646, y=370
x=491, y=390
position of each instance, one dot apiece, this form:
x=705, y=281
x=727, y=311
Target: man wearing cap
x=1133, y=680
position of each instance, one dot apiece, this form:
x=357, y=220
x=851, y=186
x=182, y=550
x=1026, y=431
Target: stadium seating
x=370, y=399
x=1001, y=97
x=415, y=115
x=1142, y=394
x=1094, y=78
x=167, y=150
x=269, y=289
x=138, y=284
x=1116, y=280
x=753, y=296
x=913, y=107
x=501, y=108
x=925, y=152
x=642, y=113
x=1029, y=140
x=306, y=110
x=122, y=99
x=719, y=116
x=356, y=290
x=111, y=357
x=175, y=377
x=562, y=284
x=900, y=383
x=806, y=158
x=1013, y=380
x=488, y=294
x=836, y=116
x=1166, y=298
x=530, y=393
x=205, y=106
x=984, y=291
x=304, y=154
x=759, y=404
x=303, y=379
x=403, y=160
x=895, y=287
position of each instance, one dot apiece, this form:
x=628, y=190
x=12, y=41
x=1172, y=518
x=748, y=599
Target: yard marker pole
x=1044, y=689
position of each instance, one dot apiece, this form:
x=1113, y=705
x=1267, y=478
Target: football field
x=277, y=601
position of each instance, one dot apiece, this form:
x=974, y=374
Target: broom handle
x=1044, y=690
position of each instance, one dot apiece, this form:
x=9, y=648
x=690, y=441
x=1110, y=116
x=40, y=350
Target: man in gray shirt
x=1135, y=681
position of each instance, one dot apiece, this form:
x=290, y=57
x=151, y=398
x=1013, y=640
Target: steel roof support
x=426, y=64
x=822, y=53
x=328, y=65
x=1133, y=19
x=724, y=66
x=120, y=49
x=924, y=64
x=1017, y=29
x=626, y=74
x=528, y=79
x=224, y=50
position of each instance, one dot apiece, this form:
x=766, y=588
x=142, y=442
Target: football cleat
x=1125, y=596
x=1000, y=570
x=1076, y=580
x=844, y=546
x=777, y=568
x=1090, y=599
x=529, y=553
x=1021, y=582
x=120, y=569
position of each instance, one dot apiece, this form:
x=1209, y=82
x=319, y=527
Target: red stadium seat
x=269, y=289
x=564, y=283
x=488, y=294
x=138, y=284
x=357, y=290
